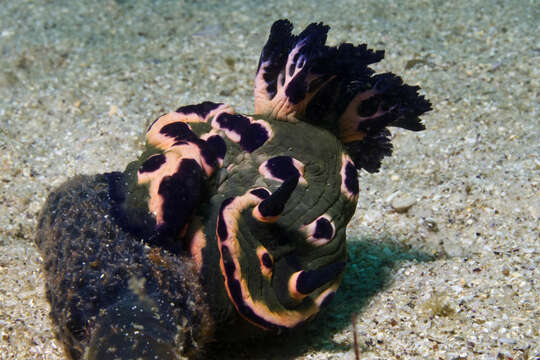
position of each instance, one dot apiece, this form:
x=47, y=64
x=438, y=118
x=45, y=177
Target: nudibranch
x=226, y=221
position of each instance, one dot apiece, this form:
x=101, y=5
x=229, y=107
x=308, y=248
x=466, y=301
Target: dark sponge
x=111, y=295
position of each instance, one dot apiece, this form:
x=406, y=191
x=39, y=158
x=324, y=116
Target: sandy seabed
x=455, y=276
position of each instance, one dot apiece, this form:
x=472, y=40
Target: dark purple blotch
x=275, y=203
x=207, y=152
x=328, y=298
x=260, y=193
x=179, y=131
x=153, y=163
x=351, y=178
x=323, y=229
x=297, y=88
x=254, y=137
x=218, y=145
x=267, y=260
x=222, y=231
x=233, y=122
x=275, y=53
x=282, y=167
x=309, y=280
x=181, y=193
x=202, y=109
x=228, y=261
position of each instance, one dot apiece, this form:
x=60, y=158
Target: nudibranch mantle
x=256, y=205
x=267, y=245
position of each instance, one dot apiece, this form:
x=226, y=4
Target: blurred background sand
x=444, y=245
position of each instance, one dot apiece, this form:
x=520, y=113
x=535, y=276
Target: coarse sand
x=444, y=246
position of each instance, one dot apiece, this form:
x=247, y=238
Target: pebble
x=507, y=341
x=402, y=203
x=431, y=225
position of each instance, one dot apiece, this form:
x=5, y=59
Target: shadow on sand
x=370, y=267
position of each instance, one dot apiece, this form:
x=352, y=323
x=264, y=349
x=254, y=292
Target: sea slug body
x=226, y=221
